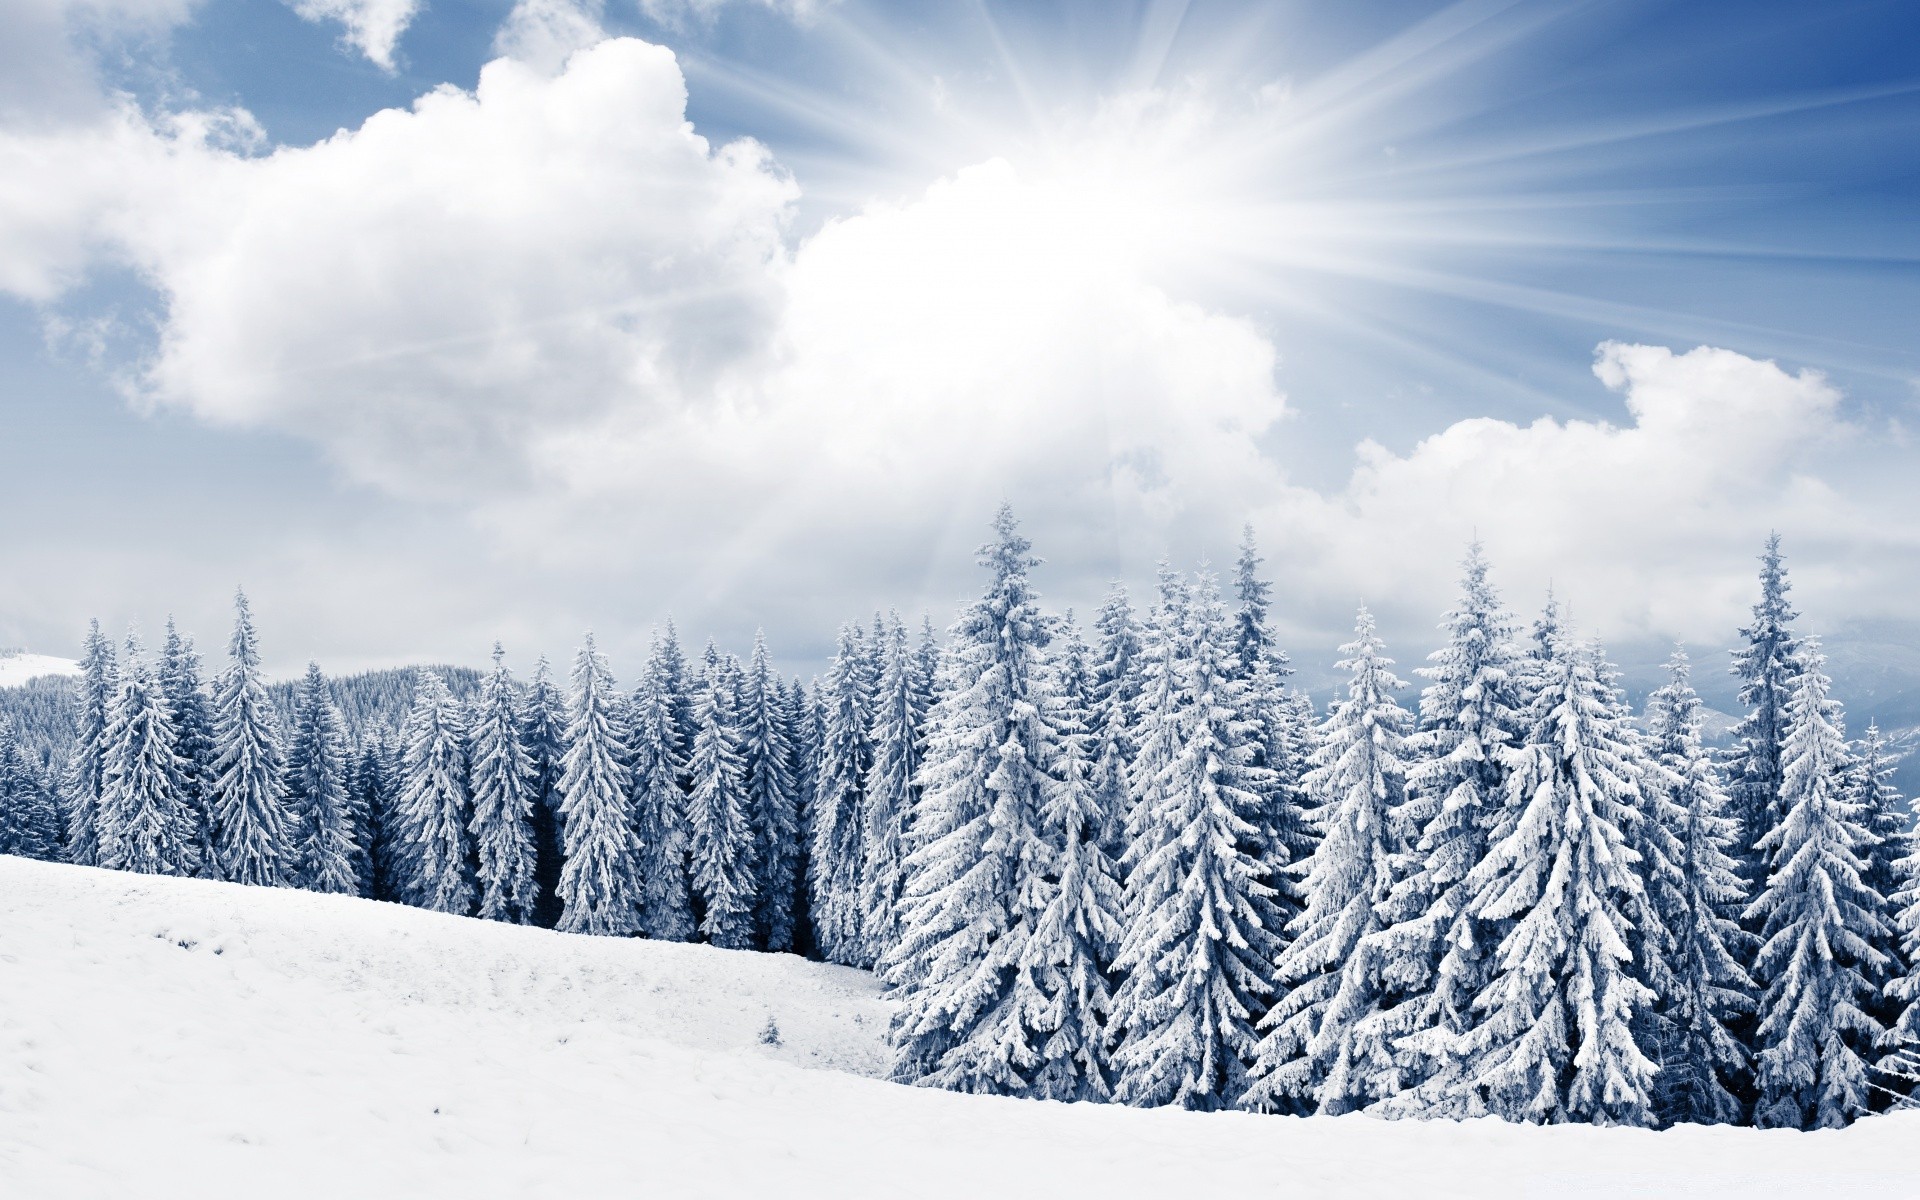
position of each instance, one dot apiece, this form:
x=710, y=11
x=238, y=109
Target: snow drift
x=176, y=1037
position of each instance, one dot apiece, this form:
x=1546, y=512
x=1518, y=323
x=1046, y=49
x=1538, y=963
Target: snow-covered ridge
x=173, y=1037
x=18, y=666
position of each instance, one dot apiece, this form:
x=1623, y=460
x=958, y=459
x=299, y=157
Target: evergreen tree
x=543, y=725
x=891, y=794
x=186, y=699
x=249, y=813
x=1905, y=989
x=659, y=803
x=1882, y=811
x=1253, y=641
x=319, y=814
x=1077, y=935
x=99, y=684
x=846, y=755
x=1194, y=957
x=721, y=846
x=1116, y=693
x=969, y=1003
x=1436, y=950
x=772, y=799
x=435, y=805
x=1819, y=921
x=1766, y=666
x=30, y=822
x=1701, y=1062
x=1555, y=1038
x=376, y=789
x=600, y=881
x=502, y=779
x=1332, y=975
x=143, y=823
x=803, y=737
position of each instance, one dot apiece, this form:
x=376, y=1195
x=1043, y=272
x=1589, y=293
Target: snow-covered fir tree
x=1555, y=1038
x=1767, y=666
x=1116, y=693
x=319, y=822
x=1883, y=813
x=179, y=676
x=99, y=684
x=1195, y=958
x=803, y=738
x=600, y=882
x=1701, y=1062
x=143, y=822
x=899, y=710
x=839, y=803
x=435, y=805
x=1819, y=922
x=1332, y=978
x=719, y=824
x=772, y=799
x=1435, y=950
x=968, y=1001
x=376, y=778
x=1076, y=936
x=30, y=822
x=659, y=801
x=543, y=726
x=501, y=777
x=249, y=814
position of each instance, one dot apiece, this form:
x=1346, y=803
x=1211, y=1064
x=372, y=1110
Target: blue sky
x=538, y=357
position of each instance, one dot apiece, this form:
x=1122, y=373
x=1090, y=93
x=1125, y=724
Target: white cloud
x=543, y=33
x=677, y=12
x=373, y=27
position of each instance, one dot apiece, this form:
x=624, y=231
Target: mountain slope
x=163, y=1036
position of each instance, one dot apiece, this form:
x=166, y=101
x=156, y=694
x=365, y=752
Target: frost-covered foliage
x=970, y=1003
x=30, y=821
x=99, y=684
x=249, y=789
x=773, y=799
x=1115, y=694
x=899, y=711
x=659, y=801
x=721, y=839
x=543, y=734
x=435, y=806
x=839, y=803
x=143, y=822
x=1767, y=666
x=319, y=820
x=501, y=777
x=600, y=886
x=179, y=676
x=1195, y=957
x=1818, y=922
x=1705, y=990
x=1331, y=977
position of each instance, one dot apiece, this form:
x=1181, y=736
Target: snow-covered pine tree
x=1332, y=977
x=1436, y=951
x=676, y=689
x=320, y=831
x=249, y=813
x=376, y=786
x=1253, y=640
x=179, y=677
x=543, y=726
x=1766, y=666
x=659, y=803
x=1905, y=989
x=1116, y=693
x=30, y=824
x=502, y=780
x=839, y=849
x=143, y=821
x=772, y=799
x=721, y=841
x=1700, y=1061
x=435, y=805
x=976, y=884
x=1882, y=811
x=803, y=737
x=99, y=684
x=1819, y=922
x=1194, y=957
x=891, y=794
x=1077, y=935
x=359, y=814
x=600, y=881
x=1555, y=1037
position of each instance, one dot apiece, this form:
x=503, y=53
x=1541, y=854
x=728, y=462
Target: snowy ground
x=17, y=667
x=166, y=1037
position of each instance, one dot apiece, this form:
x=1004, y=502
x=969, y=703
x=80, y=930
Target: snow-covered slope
x=18, y=666
x=165, y=1037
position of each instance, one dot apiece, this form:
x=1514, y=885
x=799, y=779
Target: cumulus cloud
x=372, y=27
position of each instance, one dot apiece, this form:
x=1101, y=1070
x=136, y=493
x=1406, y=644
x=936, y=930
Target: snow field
x=163, y=1037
